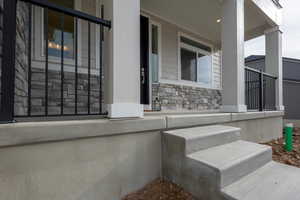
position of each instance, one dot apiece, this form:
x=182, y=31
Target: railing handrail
x=71, y=12
x=260, y=72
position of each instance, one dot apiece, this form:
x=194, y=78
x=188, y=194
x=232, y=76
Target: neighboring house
x=291, y=84
x=78, y=78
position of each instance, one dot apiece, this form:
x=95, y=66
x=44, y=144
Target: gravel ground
x=160, y=190
x=281, y=155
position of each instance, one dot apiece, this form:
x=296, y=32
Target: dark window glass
x=188, y=65
x=55, y=29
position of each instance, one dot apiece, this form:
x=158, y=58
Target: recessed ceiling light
x=219, y=20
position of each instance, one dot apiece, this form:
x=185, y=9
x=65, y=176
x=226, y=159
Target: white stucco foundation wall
x=105, y=168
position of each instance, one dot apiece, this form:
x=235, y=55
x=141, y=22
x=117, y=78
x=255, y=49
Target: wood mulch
x=281, y=155
x=160, y=190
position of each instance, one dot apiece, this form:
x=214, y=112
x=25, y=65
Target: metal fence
x=74, y=87
x=260, y=90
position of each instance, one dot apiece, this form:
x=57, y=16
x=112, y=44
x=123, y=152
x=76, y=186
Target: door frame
x=153, y=22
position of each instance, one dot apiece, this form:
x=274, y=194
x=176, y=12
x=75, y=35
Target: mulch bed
x=281, y=155
x=160, y=190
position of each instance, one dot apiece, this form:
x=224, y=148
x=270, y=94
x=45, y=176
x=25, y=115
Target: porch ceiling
x=200, y=16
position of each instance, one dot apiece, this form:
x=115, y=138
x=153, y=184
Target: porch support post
x=274, y=61
x=122, y=59
x=233, y=94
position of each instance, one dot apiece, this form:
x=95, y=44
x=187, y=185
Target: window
x=155, y=54
x=55, y=28
x=196, y=61
x=54, y=32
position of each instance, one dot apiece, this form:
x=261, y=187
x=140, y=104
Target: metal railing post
x=261, y=91
x=8, y=61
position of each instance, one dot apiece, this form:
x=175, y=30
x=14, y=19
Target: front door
x=144, y=70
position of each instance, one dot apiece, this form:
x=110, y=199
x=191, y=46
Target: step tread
x=224, y=156
x=272, y=181
x=201, y=132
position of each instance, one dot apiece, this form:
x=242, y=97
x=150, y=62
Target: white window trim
x=192, y=48
x=153, y=22
x=54, y=62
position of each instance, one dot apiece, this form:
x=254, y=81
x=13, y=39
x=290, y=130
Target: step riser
x=199, y=144
x=245, y=167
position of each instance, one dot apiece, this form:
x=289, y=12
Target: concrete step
x=200, y=138
x=234, y=160
x=272, y=181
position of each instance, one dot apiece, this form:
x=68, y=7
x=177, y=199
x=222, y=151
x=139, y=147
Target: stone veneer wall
x=21, y=56
x=54, y=76
x=21, y=62
x=177, y=97
x=54, y=92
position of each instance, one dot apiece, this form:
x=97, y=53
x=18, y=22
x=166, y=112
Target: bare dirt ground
x=281, y=155
x=164, y=190
x=160, y=190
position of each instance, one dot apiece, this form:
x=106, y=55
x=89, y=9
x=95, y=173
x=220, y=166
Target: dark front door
x=144, y=70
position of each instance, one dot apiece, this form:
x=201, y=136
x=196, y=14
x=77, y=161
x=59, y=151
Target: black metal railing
x=260, y=90
x=41, y=86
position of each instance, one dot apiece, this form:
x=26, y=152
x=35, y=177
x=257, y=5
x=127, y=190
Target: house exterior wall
x=257, y=64
x=172, y=92
x=183, y=98
x=291, y=99
x=21, y=62
x=54, y=75
x=173, y=96
x=170, y=60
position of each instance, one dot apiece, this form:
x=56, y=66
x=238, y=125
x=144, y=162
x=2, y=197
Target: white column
x=233, y=94
x=122, y=59
x=274, y=61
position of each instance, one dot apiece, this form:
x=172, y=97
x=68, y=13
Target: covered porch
x=137, y=56
x=215, y=31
